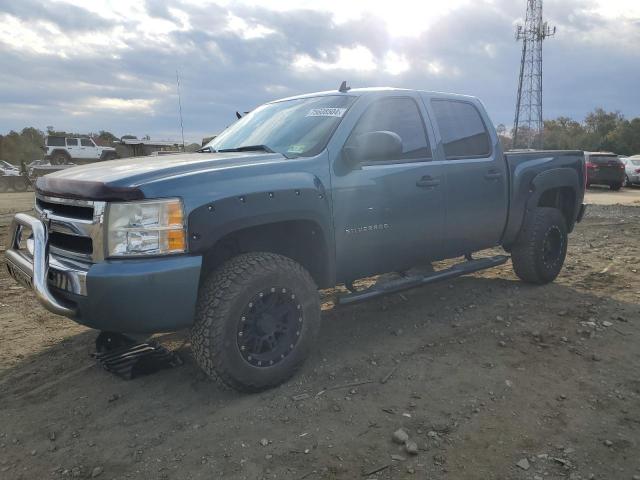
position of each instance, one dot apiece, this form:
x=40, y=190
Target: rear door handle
x=493, y=175
x=428, y=181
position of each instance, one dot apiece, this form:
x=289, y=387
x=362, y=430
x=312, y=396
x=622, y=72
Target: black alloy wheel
x=257, y=319
x=552, y=246
x=269, y=327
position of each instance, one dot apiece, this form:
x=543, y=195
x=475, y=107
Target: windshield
x=299, y=127
x=636, y=162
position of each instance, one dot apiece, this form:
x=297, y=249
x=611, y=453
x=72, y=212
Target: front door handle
x=428, y=181
x=493, y=175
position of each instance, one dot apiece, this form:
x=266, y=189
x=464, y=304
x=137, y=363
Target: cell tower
x=528, y=124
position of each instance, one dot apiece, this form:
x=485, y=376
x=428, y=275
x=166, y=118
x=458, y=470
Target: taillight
x=585, y=175
x=637, y=170
x=591, y=165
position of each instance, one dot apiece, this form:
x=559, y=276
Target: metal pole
x=180, y=108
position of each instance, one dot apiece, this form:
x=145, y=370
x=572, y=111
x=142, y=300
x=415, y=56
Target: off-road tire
x=615, y=187
x=528, y=255
x=59, y=158
x=627, y=182
x=223, y=297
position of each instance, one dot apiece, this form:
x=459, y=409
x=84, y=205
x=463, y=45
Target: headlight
x=153, y=227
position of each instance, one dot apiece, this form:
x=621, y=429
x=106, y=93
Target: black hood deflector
x=82, y=189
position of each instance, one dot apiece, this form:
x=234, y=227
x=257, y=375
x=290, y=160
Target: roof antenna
x=343, y=87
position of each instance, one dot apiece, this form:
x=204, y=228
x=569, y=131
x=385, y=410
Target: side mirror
x=373, y=146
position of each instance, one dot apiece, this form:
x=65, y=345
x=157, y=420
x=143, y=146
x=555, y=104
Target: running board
x=406, y=283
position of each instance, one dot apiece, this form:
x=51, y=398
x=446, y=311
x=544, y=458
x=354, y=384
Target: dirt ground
x=492, y=378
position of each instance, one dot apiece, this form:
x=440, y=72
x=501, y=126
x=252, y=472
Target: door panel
x=73, y=147
x=89, y=149
x=384, y=220
x=476, y=205
x=476, y=175
x=388, y=211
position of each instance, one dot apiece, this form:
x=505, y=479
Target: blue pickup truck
x=301, y=194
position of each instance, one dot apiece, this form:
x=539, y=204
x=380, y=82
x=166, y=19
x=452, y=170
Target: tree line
x=599, y=131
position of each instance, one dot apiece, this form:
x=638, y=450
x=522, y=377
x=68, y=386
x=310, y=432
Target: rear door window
x=463, y=132
x=72, y=142
x=55, y=141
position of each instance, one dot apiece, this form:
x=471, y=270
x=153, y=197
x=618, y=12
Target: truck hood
x=122, y=179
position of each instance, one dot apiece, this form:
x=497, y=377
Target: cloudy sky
x=111, y=64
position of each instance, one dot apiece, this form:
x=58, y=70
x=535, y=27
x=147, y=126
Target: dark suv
x=604, y=169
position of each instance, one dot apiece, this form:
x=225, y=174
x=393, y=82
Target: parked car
x=308, y=192
x=65, y=150
x=8, y=167
x=11, y=178
x=604, y=168
x=632, y=170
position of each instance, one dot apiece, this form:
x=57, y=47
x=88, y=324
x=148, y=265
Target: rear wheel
x=539, y=254
x=59, y=158
x=615, y=187
x=256, y=321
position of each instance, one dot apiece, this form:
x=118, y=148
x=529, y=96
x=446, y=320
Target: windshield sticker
x=296, y=148
x=326, y=112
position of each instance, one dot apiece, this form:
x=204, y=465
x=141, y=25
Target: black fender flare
x=550, y=179
x=210, y=223
x=544, y=181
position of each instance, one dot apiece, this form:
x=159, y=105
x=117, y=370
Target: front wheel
x=539, y=254
x=257, y=318
x=615, y=187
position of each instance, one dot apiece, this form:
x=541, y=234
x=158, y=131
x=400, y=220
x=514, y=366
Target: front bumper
x=127, y=296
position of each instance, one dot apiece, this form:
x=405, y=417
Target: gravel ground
x=489, y=378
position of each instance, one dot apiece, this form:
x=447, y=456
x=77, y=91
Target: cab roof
x=359, y=92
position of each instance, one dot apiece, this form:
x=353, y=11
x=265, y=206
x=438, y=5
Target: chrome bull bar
x=23, y=268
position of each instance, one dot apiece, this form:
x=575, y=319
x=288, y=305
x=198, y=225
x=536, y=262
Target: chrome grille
x=75, y=227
